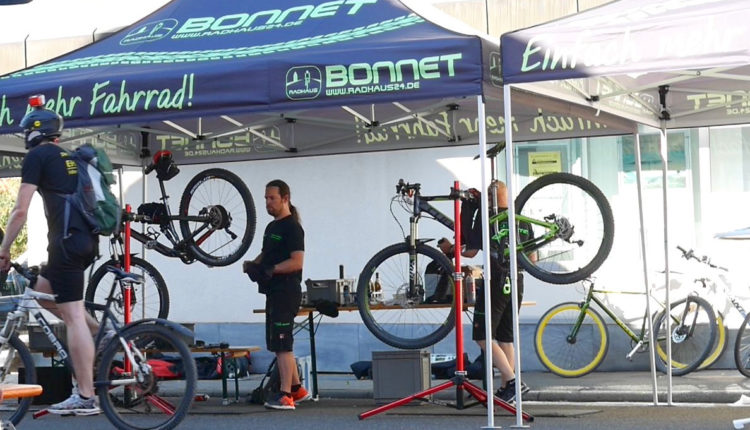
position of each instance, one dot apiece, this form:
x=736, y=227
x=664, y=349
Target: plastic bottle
x=470, y=291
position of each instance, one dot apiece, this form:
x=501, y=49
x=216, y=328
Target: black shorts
x=66, y=261
x=500, y=311
x=282, y=305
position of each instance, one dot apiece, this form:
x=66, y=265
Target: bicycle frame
x=421, y=204
x=29, y=304
x=640, y=339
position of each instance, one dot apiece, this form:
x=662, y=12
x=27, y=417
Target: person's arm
x=293, y=264
x=16, y=221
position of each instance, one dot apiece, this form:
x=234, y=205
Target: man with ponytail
x=278, y=272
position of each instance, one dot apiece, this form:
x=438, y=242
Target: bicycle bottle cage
x=166, y=168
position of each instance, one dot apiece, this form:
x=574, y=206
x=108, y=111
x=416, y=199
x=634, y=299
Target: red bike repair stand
x=126, y=267
x=460, y=381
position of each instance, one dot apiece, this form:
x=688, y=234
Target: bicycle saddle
x=125, y=276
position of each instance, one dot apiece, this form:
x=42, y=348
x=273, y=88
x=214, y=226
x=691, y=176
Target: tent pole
x=663, y=150
x=513, y=251
x=651, y=337
x=488, y=367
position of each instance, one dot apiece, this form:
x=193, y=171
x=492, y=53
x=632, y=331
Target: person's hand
x=257, y=272
x=4, y=260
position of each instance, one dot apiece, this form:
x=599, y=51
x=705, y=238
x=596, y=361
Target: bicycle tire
x=742, y=347
x=408, y=323
x=692, y=335
x=214, y=191
x=14, y=410
x=150, y=299
x=571, y=358
x=134, y=406
x=719, y=344
x=584, y=212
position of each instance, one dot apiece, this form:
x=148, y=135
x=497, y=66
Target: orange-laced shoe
x=301, y=395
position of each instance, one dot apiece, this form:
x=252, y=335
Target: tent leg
x=513, y=244
x=652, y=338
x=663, y=150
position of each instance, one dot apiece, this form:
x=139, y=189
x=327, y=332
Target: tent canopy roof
x=684, y=61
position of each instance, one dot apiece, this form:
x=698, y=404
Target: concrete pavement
x=707, y=386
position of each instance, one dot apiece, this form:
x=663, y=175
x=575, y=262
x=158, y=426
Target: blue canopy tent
x=245, y=80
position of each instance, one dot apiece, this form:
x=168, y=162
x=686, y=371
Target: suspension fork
x=412, y=240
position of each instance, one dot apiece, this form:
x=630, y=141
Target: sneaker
x=75, y=405
x=301, y=395
x=508, y=394
x=280, y=401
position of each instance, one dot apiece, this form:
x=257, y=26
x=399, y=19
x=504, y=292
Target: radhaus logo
x=303, y=82
x=150, y=32
x=246, y=22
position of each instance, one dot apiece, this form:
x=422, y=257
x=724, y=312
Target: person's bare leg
x=80, y=344
x=500, y=361
x=287, y=370
x=43, y=286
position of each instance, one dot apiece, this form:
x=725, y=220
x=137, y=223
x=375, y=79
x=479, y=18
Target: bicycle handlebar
x=407, y=189
x=690, y=255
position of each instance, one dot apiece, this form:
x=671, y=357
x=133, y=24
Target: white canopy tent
x=667, y=64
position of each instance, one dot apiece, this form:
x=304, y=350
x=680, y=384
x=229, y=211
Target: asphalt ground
x=613, y=400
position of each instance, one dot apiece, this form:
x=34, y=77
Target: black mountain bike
x=573, y=231
x=216, y=221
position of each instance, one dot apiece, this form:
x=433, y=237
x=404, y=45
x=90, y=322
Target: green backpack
x=93, y=198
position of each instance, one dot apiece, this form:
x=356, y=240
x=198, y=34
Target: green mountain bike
x=572, y=235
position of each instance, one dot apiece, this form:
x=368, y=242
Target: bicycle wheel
x=584, y=219
x=563, y=354
x=742, y=348
x=158, y=394
x=16, y=364
x=692, y=333
x=396, y=313
x=148, y=300
x=719, y=345
x=227, y=217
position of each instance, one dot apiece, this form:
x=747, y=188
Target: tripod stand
x=460, y=381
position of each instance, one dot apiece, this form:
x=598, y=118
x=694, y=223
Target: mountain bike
x=717, y=280
x=216, y=221
x=572, y=338
x=573, y=233
x=136, y=386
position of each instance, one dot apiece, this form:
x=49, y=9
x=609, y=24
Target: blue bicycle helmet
x=41, y=124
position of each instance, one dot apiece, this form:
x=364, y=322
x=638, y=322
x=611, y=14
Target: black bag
x=269, y=385
x=157, y=212
x=362, y=369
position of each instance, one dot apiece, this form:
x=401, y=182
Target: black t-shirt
x=282, y=238
x=47, y=166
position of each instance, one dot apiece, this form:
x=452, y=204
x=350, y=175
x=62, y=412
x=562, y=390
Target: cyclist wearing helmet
x=46, y=169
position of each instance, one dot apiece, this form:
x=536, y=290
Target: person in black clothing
x=501, y=312
x=434, y=274
x=46, y=169
x=278, y=272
